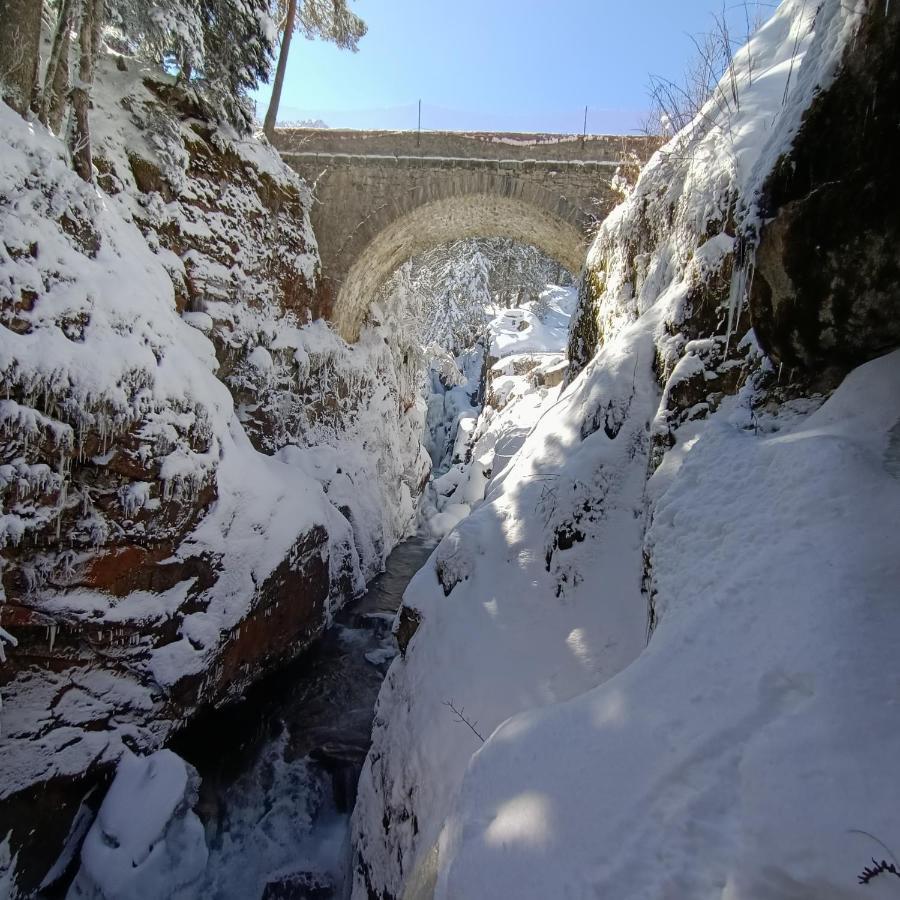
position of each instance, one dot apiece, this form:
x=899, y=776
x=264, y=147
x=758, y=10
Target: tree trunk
x=96, y=32
x=60, y=89
x=57, y=76
x=20, y=42
x=272, y=112
x=80, y=133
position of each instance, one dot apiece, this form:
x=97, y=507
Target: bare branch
x=461, y=717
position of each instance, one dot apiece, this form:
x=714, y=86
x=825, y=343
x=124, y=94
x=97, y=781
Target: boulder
x=146, y=842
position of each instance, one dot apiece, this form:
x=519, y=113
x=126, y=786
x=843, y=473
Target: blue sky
x=496, y=64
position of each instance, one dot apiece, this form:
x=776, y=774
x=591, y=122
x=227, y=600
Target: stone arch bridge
x=382, y=197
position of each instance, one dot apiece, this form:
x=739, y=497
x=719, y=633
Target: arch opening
x=561, y=235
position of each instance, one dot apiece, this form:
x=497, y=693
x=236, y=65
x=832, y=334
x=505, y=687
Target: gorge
x=648, y=519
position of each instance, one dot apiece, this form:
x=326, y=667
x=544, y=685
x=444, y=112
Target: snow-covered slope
x=669, y=678
x=739, y=751
x=508, y=602
x=519, y=380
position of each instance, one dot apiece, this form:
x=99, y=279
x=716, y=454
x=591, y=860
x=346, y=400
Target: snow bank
x=509, y=608
x=731, y=752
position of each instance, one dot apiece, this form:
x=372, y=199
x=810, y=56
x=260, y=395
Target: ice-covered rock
x=146, y=843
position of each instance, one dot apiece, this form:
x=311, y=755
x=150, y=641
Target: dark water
x=280, y=768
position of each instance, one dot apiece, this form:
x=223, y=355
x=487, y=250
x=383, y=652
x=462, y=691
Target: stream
x=280, y=767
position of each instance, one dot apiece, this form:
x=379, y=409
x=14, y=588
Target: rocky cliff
x=173, y=524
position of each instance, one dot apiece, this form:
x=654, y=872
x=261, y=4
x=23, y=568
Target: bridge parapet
x=605, y=166
x=456, y=144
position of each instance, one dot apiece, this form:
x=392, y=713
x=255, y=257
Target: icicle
x=59, y=513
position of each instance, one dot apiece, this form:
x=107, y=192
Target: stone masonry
x=382, y=197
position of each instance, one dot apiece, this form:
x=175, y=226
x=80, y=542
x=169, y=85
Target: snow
x=280, y=503
x=673, y=676
x=136, y=359
x=146, y=841
x=730, y=749
x=469, y=445
x=542, y=327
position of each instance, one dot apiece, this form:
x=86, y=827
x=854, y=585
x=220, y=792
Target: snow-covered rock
x=195, y=470
x=146, y=842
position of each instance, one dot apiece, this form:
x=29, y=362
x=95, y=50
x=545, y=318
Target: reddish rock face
x=126, y=569
x=286, y=614
x=103, y=577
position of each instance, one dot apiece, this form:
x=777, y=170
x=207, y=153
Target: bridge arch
x=451, y=210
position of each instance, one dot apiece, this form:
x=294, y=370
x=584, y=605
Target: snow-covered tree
x=330, y=20
x=222, y=48
x=239, y=39
x=168, y=32
x=519, y=272
x=20, y=35
x=458, y=284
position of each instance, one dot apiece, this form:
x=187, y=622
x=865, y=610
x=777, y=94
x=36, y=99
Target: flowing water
x=280, y=768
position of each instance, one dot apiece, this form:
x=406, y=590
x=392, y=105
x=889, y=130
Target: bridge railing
x=576, y=119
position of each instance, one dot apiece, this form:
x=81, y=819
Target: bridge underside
x=440, y=222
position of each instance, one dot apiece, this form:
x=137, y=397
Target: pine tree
x=167, y=32
x=330, y=20
x=222, y=49
x=238, y=43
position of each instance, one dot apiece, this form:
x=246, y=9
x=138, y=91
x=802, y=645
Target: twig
x=460, y=715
